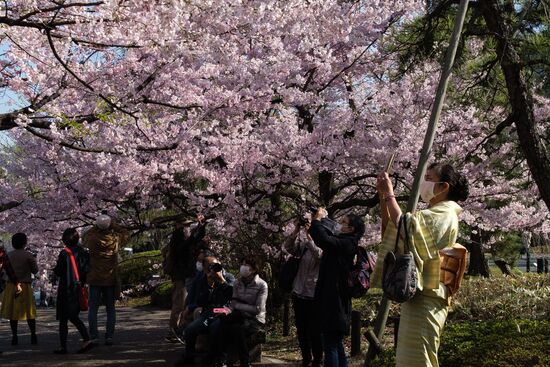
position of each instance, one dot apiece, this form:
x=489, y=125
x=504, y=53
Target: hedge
x=140, y=268
x=162, y=295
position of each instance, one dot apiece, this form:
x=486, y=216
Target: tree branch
x=9, y=205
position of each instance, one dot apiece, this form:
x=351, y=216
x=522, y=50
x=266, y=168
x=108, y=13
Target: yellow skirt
x=21, y=307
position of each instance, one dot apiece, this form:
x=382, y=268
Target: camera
x=216, y=267
x=328, y=223
x=303, y=220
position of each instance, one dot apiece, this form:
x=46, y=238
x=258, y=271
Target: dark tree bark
x=9, y=205
x=326, y=187
x=504, y=267
x=478, y=264
x=519, y=94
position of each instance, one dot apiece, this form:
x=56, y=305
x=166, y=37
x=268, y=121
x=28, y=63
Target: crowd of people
x=92, y=260
x=209, y=300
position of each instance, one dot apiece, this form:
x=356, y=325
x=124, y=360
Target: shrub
x=162, y=295
x=140, y=268
x=509, y=343
x=502, y=298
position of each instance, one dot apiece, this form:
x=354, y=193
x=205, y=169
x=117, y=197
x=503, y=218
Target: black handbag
x=289, y=270
x=399, y=279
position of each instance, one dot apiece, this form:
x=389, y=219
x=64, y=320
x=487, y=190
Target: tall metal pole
x=383, y=310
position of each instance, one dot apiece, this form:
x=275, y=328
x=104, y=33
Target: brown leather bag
x=453, y=265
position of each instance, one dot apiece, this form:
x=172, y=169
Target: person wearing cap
x=185, y=245
x=103, y=241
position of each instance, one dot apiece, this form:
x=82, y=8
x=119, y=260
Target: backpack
x=168, y=262
x=359, y=275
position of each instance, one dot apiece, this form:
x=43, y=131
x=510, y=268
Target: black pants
x=64, y=329
x=235, y=330
x=308, y=327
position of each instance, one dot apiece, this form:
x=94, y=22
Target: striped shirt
x=430, y=230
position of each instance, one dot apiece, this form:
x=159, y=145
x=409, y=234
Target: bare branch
x=9, y=205
x=59, y=7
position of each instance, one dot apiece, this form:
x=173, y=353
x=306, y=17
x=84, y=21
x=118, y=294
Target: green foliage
x=498, y=321
x=162, y=295
x=508, y=248
x=139, y=268
x=509, y=343
x=502, y=298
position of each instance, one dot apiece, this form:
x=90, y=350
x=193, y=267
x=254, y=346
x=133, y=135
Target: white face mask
x=198, y=265
x=244, y=270
x=427, y=190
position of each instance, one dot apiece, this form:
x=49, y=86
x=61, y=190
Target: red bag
x=82, y=290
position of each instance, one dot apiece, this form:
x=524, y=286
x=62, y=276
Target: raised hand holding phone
x=222, y=310
x=389, y=165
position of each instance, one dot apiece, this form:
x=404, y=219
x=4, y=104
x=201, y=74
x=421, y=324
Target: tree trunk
x=504, y=267
x=478, y=264
x=519, y=95
x=326, y=192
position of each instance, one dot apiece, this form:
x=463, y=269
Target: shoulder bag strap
x=407, y=239
x=73, y=262
x=402, y=222
x=398, y=232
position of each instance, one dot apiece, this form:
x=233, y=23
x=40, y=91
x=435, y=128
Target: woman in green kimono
x=430, y=230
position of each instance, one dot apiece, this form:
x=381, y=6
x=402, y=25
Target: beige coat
x=103, y=245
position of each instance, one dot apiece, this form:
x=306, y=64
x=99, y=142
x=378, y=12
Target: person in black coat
x=213, y=293
x=185, y=244
x=331, y=291
x=68, y=306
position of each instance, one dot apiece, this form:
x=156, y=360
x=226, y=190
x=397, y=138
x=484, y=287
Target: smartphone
x=220, y=310
x=389, y=164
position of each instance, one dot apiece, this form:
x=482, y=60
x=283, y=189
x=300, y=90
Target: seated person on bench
x=247, y=315
x=191, y=307
x=213, y=294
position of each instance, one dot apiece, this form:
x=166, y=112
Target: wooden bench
x=254, y=343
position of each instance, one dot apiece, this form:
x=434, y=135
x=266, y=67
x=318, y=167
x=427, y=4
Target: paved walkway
x=139, y=341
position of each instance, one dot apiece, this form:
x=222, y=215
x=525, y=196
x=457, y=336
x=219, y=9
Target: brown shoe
x=86, y=346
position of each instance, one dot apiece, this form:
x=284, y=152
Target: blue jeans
x=96, y=294
x=335, y=356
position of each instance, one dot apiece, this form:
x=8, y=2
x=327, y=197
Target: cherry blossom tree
x=248, y=111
